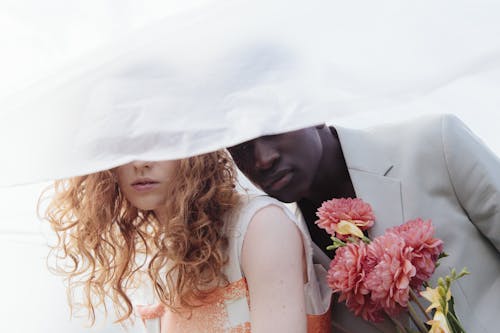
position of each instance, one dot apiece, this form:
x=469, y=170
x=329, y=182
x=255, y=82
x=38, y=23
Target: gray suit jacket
x=434, y=168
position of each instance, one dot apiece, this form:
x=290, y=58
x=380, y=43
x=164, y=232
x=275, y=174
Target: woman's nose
x=139, y=165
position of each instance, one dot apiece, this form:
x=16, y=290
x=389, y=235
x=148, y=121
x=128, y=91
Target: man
x=432, y=168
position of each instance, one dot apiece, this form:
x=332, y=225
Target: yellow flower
x=433, y=296
x=349, y=228
x=439, y=324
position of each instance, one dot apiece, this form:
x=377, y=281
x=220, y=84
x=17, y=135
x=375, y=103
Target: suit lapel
x=370, y=170
x=383, y=194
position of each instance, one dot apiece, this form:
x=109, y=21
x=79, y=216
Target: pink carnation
x=389, y=280
x=419, y=235
x=346, y=275
x=375, y=279
x=366, y=308
x=354, y=210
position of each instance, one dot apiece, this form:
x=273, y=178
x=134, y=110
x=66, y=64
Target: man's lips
x=278, y=180
x=144, y=184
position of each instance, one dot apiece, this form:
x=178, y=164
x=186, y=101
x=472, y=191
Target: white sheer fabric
x=232, y=70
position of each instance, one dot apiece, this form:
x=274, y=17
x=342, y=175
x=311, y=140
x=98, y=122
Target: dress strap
x=238, y=226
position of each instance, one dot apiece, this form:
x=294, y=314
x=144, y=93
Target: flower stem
x=399, y=327
x=414, y=317
x=456, y=321
x=415, y=299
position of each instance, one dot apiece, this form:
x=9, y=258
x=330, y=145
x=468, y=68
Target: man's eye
x=241, y=148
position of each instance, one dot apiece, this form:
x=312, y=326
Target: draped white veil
x=232, y=70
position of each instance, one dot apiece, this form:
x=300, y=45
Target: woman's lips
x=142, y=186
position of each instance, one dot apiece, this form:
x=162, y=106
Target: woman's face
x=146, y=184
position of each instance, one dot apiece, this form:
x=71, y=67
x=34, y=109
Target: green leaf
x=442, y=255
x=451, y=305
x=452, y=318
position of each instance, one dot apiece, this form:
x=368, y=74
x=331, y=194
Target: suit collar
x=372, y=173
x=355, y=145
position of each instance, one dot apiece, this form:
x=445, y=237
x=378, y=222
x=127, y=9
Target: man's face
x=283, y=165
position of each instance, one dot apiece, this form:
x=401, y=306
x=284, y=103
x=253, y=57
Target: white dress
x=230, y=310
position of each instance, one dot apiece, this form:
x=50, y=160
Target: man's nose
x=265, y=155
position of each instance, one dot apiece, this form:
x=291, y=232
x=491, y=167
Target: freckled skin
x=315, y=163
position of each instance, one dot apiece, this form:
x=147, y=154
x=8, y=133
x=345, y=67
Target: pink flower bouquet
x=378, y=278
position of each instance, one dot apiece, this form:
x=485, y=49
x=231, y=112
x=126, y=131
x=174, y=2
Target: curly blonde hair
x=103, y=241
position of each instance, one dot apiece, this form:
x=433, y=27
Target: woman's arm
x=272, y=260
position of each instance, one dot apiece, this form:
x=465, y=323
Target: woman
x=216, y=260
